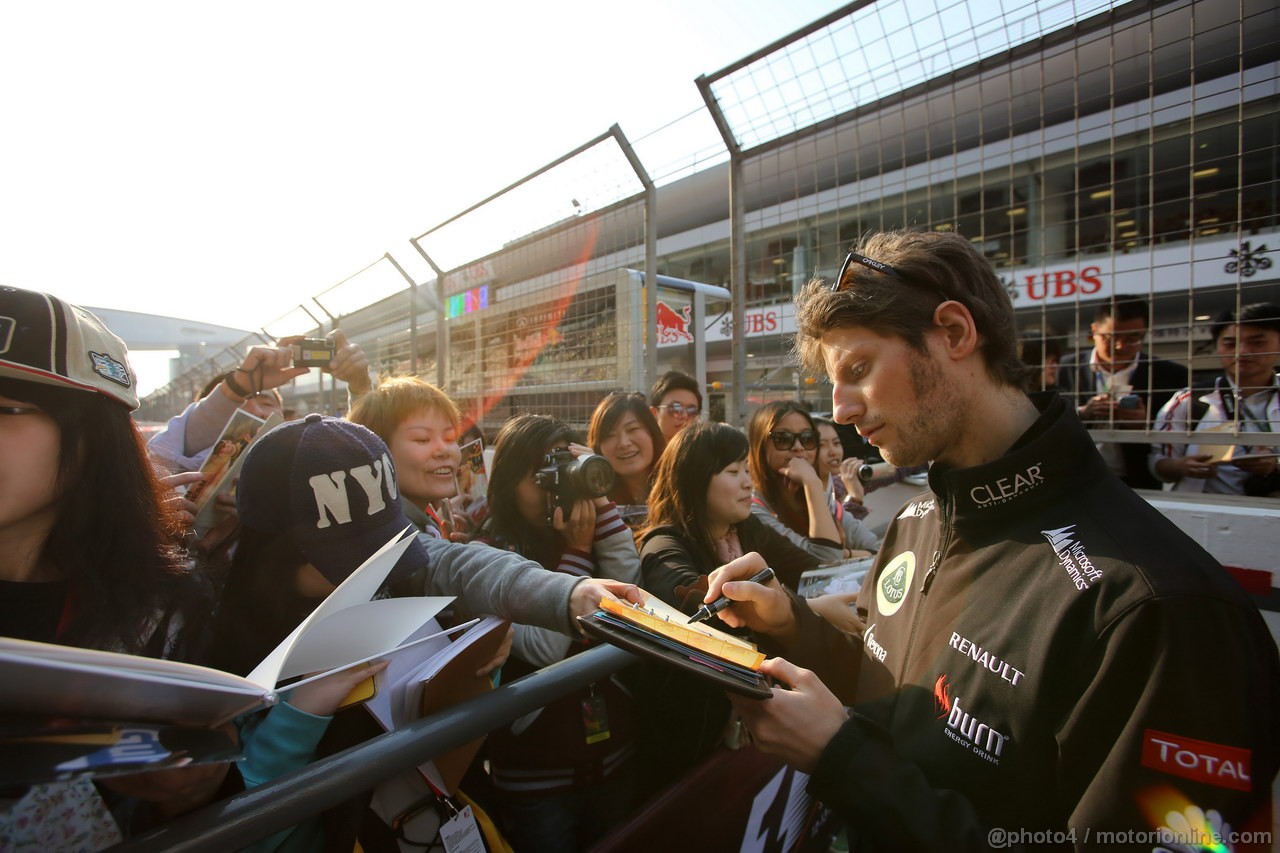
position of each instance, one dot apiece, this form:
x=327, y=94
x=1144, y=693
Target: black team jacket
x=1045, y=653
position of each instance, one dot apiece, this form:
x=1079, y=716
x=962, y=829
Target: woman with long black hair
x=565, y=773
x=85, y=552
x=699, y=519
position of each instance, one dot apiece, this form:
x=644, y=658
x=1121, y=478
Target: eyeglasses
x=785, y=439
x=678, y=410
x=854, y=258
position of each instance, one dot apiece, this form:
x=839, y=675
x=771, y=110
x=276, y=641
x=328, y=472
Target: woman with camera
x=790, y=497
x=624, y=431
x=564, y=773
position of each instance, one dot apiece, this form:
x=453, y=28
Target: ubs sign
x=1054, y=284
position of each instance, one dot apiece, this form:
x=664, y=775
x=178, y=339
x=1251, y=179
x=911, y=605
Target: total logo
x=964, y=728
x=1199, y=760
x=1007, y=488
x=895, y=583
x=1071, y=555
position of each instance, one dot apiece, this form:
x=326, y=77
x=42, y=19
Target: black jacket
x=1163, y=378
x=671, y=567
x=1044, y=651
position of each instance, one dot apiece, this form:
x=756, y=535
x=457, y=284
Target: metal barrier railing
x=295, y=797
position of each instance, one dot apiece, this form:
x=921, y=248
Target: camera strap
x=1230, y=395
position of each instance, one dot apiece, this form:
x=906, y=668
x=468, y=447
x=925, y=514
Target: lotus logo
x=895, y=583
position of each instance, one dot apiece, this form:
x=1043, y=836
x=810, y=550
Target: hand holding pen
x=706, y=611
x=763, y=607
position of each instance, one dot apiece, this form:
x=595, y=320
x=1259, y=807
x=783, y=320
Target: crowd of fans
x=99, y=548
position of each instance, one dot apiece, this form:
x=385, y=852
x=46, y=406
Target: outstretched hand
x=585, y=598
x=269, y=367
x=349, y=364
x=175, y=495
x=323, y=697
x=838, y=609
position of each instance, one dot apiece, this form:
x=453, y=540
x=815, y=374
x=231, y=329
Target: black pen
x=706, y=611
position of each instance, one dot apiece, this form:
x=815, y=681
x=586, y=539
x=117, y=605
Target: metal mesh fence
x=536, y=288
x=1090, y=149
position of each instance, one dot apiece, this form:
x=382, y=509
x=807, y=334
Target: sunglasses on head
x=855, y=258
x=880, y=267
x=785, y=439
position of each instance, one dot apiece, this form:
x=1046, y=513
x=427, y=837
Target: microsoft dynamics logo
x=1071, y=555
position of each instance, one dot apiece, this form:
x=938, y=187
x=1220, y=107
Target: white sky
x=226, y=161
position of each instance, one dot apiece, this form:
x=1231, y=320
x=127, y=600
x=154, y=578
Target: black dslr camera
x=567, y=479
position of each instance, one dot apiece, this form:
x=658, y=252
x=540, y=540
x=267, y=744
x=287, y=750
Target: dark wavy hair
x=518, y=451
x=934, y=267
x=790, y=507
x=679, y=495
x=111, y=540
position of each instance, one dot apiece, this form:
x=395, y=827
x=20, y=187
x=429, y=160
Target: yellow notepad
x=661, y=618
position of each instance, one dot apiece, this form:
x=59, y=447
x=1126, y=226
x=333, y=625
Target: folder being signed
x=657, y=630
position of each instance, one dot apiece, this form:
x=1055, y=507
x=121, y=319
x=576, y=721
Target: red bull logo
x=673, y=327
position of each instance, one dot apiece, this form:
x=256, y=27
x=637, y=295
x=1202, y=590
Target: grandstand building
x=1132, y=149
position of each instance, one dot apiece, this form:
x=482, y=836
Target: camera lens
x=865, y=473
x=594, y=476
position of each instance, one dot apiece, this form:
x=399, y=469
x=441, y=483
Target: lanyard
x=1228, y=398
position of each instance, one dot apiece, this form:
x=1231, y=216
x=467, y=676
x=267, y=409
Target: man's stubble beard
x=937, y=421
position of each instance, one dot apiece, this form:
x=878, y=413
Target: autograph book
x=659, y=631
x=347, y=629
x=437, y=675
